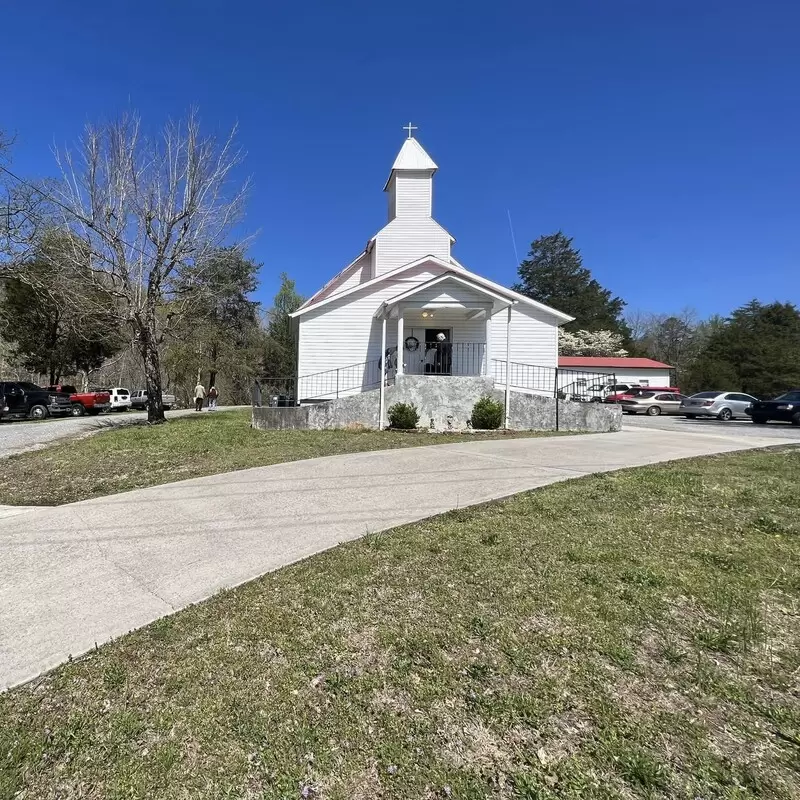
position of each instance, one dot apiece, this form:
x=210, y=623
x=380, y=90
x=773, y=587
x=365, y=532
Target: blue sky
x=663, y=136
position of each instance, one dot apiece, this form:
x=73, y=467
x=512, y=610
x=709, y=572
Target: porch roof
x=391, y=307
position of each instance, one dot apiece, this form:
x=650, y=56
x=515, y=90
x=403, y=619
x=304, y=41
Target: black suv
x=22, y=400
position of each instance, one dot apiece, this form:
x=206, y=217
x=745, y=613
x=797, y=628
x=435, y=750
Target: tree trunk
x=148, y=348
x=212, y=376
x=152, y=376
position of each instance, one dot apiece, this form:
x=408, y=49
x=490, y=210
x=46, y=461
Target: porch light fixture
x=427, y=314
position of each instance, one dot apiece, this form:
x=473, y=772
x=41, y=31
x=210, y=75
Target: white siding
x=406, y=239
x=650, y=377
x=345, y=332
x=534, y=337
x=411, y=194
x=449, y=292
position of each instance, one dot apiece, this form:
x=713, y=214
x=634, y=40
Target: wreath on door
x=412, y=343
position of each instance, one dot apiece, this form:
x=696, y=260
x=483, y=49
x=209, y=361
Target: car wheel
x=38, y=412
x=77, y=410
x=760, y=420
x=653, y=411
x=725, y=415
x=691, y=416
x=796, y=418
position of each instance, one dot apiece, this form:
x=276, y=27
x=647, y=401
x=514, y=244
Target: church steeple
x=410, y=183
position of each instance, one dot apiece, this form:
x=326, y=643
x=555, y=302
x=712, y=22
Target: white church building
x=406, y=306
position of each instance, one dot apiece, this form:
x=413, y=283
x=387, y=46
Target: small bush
x=487, y=414
x=404, y=416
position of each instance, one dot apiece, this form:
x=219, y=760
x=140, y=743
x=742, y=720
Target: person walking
x=199, y=396
x=213, y=394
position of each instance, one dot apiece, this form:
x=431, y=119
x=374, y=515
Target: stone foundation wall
x=446, y=401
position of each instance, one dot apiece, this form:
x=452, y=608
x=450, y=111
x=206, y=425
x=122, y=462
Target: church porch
x=441, y=328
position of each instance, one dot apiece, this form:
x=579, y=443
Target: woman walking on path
x=199, y=396
x=213, y=394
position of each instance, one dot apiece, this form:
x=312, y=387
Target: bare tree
x=24, y=212
x=150, y=209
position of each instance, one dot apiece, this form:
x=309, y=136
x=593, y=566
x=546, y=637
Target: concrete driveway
x=17, y=437
x=83, y=573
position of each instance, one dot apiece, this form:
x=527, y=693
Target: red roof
x=611, y=363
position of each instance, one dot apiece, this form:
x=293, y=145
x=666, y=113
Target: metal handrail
x=449, y=358
x=327, y=384
x=446, y=358
x=566, y=384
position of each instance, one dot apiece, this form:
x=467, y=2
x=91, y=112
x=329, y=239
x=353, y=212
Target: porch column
x=400, y=343
x=488, y=344
x=508, y=366
x=381, y=393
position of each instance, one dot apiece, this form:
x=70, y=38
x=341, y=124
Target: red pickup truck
x=83, y=402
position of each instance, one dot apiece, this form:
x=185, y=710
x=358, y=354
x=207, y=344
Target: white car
x=120, y=399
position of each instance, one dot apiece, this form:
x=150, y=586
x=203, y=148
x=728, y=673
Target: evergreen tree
x=54, y=320
x=756, y=351
x=280, y=354
x=554, y=275
x=217, y=335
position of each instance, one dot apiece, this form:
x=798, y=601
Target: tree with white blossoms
x=591, y=343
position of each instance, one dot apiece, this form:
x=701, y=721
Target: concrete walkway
x=80, y=574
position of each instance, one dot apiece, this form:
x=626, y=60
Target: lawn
x=142, y=455
x=633, y=634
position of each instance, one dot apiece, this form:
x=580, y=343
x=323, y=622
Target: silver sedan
x=653, y=403
x=720, y=405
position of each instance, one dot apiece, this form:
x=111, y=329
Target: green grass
x=142, y=455
x=627, y=635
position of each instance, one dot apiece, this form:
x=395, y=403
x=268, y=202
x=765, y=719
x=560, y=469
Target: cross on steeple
x=410, y=128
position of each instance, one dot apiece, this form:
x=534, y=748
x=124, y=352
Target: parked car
x=722, y=405
x=23, y=400
x=635, y=391
x=139, y=400
x=600, y=391
x=785, y=408
x=653, y=403
x=83, y=402
x=120, y=398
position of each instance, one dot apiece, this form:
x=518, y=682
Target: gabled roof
x=412, y=156
x=444, y=278
x=336, y=277
x=617, y=363
x=448, y=267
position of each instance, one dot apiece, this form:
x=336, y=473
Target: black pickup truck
x=785, y=408
x=23, y=400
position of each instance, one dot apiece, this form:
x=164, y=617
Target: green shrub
x=404, y=416
x=487, y=414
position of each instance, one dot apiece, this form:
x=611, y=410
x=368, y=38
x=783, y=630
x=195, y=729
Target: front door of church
x=438, y=352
